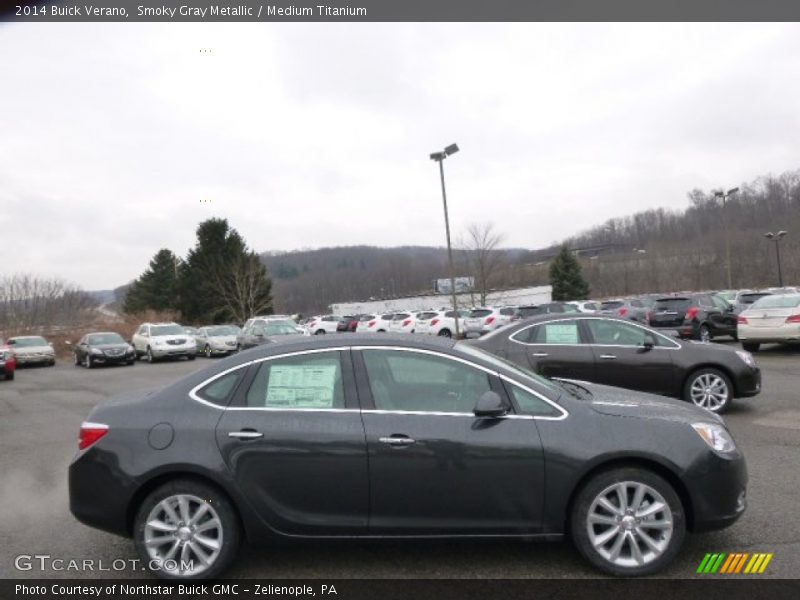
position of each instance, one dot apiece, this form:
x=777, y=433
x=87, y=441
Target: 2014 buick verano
x=398, y=437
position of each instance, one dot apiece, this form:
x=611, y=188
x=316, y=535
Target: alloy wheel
x=629, y=524
x=87, y=362
x=710, y=391
x=207, y=351
x=705, y=334
x=185, y=534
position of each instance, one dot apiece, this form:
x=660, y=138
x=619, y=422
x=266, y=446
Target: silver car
x=216, y=340
x=32, y=349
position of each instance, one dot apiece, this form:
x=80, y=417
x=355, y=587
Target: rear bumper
x=778, y=335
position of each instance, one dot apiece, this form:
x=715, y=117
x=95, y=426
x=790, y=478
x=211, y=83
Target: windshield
x=105, y=338
x=777, y=302
x=503, y=364
x=221, y=330
x=30, y=342
x=156, y=330
x=280, y=328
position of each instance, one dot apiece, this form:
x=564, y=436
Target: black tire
x=579, y=523
x=87, y=362
x=320, y=332
x=693, y=377
x=77, y=360
x=10, y=376
x=52, y=363
x=735, y=337
x=445, y=333
x=751, y=346
x=207, y=351
x=129, y=362
x=191, y=356
x=148, y=355
x=704, y=333
x=230, y=533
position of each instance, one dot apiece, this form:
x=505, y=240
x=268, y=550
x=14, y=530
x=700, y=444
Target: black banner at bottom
x=402, y=589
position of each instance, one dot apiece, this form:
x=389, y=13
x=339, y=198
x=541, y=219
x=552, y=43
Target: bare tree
x=243, y=287
x=483, y=256
x=28, y=302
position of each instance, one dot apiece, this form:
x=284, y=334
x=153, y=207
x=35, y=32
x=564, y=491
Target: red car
x=8, y=363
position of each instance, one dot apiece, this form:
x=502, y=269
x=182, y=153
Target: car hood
x=620, y=402
x=184, y=337
x=120, y=346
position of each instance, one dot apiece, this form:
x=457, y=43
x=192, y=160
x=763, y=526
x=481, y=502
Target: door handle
x=608, y=356
x=246, y=434
x=397, y=441
x=540, y=354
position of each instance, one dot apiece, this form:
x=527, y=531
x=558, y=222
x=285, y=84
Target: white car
x=403, y=322
x=322, y=324
x=771, y=319
x=32, y=349
x=374, y=323
x=162, y=340
x=586, y=306
x=424, y=319
x=444, y=323
x=485, y=319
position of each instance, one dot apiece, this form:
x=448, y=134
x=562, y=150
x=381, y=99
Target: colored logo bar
x=735, y=563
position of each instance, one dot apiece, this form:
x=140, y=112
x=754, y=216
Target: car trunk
x=768, y=317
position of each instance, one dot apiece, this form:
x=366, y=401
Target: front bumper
x=164, y=352
x=718, y=489
x=106, y=359
x=748, y=383
x=36, y=359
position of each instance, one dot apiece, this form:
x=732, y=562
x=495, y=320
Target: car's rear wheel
x=187, y=530
x=751, y=346
x=628, y=522
x=10, y=376
x=77, y=360
x=319, y=332
x=710, y=389
x=704, y=334
x=191, y=356
x=445, y=333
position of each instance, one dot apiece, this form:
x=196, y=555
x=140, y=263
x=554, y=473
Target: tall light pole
x=776, y=237
x=439, y=157
x=724, y=197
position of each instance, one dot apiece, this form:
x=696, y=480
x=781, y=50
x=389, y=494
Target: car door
x=724, y=319
x=436, y=468
x=554, y=349
x=623, y=359
x=293, y=441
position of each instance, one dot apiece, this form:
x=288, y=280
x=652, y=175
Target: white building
x=515, y=297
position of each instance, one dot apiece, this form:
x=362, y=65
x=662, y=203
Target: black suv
x=695, y=316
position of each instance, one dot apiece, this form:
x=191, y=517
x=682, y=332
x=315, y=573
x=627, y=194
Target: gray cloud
x=307, y=134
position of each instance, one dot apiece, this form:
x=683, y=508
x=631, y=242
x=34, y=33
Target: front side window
x=616, y=333
x=306, y=381
x=414, y=381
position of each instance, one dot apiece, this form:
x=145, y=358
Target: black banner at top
x=398, y=10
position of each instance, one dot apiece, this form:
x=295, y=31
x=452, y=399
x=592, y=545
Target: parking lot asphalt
x=40, y=413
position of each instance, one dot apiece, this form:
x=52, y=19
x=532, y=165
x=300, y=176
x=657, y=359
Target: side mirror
x=490, y=404
x=648, y=344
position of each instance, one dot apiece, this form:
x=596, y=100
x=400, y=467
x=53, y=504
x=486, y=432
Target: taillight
x=434, y=322
x=489, y=320
x=406, y=323
x=622, y=311
x=793, y=319
x=90, y=433
x=740, y=320
x=649, y=315
x=691, y=313
x=371, y=324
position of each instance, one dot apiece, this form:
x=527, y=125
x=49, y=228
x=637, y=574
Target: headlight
x=130, y=349
x=747, y=358
x=716, y=437
x=96, y=351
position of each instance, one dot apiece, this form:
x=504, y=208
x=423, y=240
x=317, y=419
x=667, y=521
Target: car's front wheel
x=187, y=530
x=149, y=356
x=87, y=362
x=207, y=351
x=628, y=522
x=710, y=389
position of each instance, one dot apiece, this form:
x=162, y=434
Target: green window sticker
x=556, y=333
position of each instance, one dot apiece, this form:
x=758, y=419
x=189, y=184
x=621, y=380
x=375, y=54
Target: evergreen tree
x=221, y=279
x=156, y=288
x=566, y=278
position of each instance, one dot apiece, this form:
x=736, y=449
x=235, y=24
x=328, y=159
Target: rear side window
x=480, y=312
x=363, y=318
x=530, y=311
x=310, y=381
x=424, y=316
x=219, y=391
x=507, y=311
x=611, y=305
x=401, y=316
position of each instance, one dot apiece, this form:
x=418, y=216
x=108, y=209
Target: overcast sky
x=309, y=135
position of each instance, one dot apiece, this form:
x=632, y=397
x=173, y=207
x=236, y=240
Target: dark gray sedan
x=397, y=437
x=614, y=351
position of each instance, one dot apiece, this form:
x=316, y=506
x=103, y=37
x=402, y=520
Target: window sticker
x=561, y=334
x=301, y=386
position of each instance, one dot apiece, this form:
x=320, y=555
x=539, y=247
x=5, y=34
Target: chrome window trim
x=675, y=345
